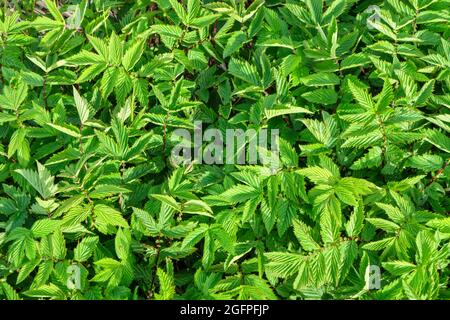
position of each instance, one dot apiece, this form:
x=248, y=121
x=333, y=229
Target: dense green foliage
x=92, y=90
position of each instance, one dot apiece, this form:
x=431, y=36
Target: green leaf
x=317, y=174
x=320, y=79
x=321, y=96
x=303, y=234
x=386, y=225
x=272, y=113
x=106, y=215
x=133, y=54
x=170, y=201
x=82, y=106
x=244, y=71
x=379, y=245
x=438, y=139
x=44, y=227
x=197, y=207
x=66, y=129
x=85, y=248
x=53, y=9
x=399, y=268
x=361, y=96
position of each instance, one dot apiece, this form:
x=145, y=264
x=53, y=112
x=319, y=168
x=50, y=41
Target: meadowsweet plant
x=96, y=95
